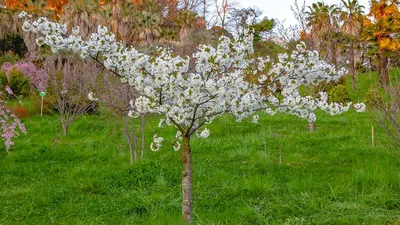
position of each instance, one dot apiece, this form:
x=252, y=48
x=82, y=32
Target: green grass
x=366, y=80
x=332, y=176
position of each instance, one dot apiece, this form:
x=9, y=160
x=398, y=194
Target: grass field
x=332, y=176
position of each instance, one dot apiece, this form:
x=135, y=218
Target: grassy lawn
x=332, y=176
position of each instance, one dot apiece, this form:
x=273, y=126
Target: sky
x=280, y=9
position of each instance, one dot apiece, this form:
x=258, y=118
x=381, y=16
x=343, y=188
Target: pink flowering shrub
x=10, y=124
x=38, y=77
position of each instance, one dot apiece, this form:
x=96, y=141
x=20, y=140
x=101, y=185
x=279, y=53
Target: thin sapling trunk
x=187, y=180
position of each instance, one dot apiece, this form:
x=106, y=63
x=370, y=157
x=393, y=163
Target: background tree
x=325, y=34
x=222, y=9
x=85, y=15
x=70, y=81
x=384, y=107
x=352, y=16
x=382, y=32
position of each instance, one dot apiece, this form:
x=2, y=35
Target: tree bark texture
x=383, y=73
x=312, y=126
x=187, y=181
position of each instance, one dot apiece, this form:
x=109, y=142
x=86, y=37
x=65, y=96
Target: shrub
x=3, y=79
x=340, y=94
x=18, y=83
x=38, y=77
x=8, y=58
x=13, y=42
x=374, y=98
x=15, y=83
x=384, y=106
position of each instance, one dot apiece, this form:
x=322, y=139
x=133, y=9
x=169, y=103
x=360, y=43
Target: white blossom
x=92, y=98
x=204, y=133
x=359, y=107
x=133, y=114
x=255, y=118
x=177, y=146
x=161, y=123
x=178, y=135
x=22, y=14
x=75, y=31
x=156, y=144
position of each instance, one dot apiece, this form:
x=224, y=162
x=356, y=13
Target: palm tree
x=85, y=14
x=127, y=21
x=353, y=18
x=148, y=26
x=323, y=21
x=10, y=23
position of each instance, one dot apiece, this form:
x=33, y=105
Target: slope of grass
x=332, y=176
x=367, y=80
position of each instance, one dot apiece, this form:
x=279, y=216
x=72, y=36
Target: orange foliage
x=385, y=23
x=137, y=2
x=15, y=4
x=394, y=45
x=56, y=5
x=383, y=9
x=383, y=43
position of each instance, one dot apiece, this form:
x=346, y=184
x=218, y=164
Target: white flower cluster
x=92, y=98
x=359, y=107
x=302, y=69
x=156, y=144
x=204, y=133
x=192, y=91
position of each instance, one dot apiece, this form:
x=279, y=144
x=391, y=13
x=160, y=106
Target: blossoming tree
x=10, y=124
x=38, y=77
x=189, y=92
x=302, y=78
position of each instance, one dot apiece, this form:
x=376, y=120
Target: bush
x=3, y=79
x=8, y=58
x=339, y=94
x=384, y=106
x=16, y=81
x=374, y=98
x=331, y=85
x=13, y=42
x=37, y=77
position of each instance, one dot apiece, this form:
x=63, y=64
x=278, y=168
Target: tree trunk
x=132, y=152
x=383, y=73
x=333, y=54
x=187, y=181
x=184, y=35
x=204, y=8
x=311, y=126
x=172, y=8
x=65, y=129
x=352, y=66
x=115, y=17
